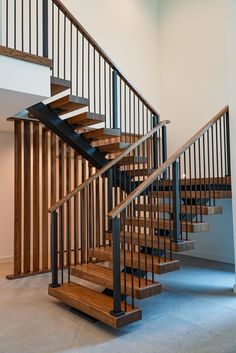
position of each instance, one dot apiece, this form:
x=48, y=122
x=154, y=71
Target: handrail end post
x=117, y=311
x=156, y=120
x=54, y=247
x=45, y=28
x=228, y=153
x=176, y=201
x=115, y=99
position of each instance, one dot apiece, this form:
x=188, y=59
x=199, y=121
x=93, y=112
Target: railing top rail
x=145, y=184
x=107, y=166
x=91, y=40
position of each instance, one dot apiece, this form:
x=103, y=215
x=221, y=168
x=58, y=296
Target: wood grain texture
x=167, y=224
x=27, y=197
x=20, y=55
x=95, y=304
x=107, y=166
x=86, y=119
x=113, y=147
x=105, y=254
x=36, y=227
x=101, y=134
x=162, y=243
x=204, y=210
x=17, y=198
x=103, y=276
x=68, y=104
x=218, y=194
x=59, y=85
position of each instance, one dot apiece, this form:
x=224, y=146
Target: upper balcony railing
x=46, y=28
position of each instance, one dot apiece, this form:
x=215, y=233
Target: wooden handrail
x=92, y=41
x=107, y=167
x=145, y=184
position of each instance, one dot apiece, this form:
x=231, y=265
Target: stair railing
x=172, y=201
x=87, y=205
x=47, y=28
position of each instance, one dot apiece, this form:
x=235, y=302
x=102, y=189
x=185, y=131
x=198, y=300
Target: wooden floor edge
x=28, y=274
x=21, y=55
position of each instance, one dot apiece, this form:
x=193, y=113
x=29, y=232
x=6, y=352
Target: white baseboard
x=6, y=259
x=209, y=256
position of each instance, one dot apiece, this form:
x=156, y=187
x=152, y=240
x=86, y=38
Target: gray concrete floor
x=195, y=313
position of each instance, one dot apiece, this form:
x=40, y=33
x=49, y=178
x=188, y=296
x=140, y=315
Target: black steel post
x=45, y=28
x=109, y=204
x=228, y=168
x=115, y=100
x=176, y=201
x=116, y=268
x=155, y=144
x=164, y=149
x=54, y=248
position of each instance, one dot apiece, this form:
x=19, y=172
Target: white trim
x=6, y=259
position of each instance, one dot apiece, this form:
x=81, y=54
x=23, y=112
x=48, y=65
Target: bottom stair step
x=104, y=276
x=132, y=260
x=95, y=304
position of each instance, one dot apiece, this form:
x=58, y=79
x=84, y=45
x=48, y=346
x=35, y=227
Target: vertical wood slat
x=45, y=176
x=27, y=197
x=17, y=198
x=36, y=227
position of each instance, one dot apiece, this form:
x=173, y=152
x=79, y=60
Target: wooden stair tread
x=95, y=304
x=199, y=181
x=86, y=119
x=59, y=85
x=101, y=134
x=167, y=224
x=219, y=194
x=204, y=210
x=133, y=160
x=139, y=172
x=105, y=254
x=113, y=147
x=161, y=243
x=68, y=104
x=104, y=276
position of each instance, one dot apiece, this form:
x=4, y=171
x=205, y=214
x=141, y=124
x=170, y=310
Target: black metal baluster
x=30, y=28
x=58, y=45
x=15, y=24
x=54, y=250
x=63, y=48
x=200, y=177
x=195, y=181
x=176, y=203
x=45, y=27
x=7, y=23
x=22, y=25
x=209, y=169
x=94, y=79
x=213, y=165
x=228, y=145
x=83, y=66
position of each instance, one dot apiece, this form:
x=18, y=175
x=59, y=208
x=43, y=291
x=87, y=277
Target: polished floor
x=196, y=313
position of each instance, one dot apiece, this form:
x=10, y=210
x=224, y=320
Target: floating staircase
x=121, y=227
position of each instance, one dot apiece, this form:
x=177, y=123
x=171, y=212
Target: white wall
x=194, y=87
x=128, y=32
x=192, y=64
x=231, y=60
x=7, y=196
